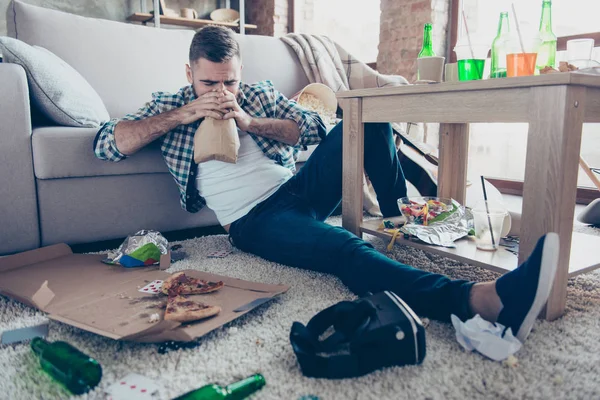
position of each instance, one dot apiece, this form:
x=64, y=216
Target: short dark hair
x=215, y=43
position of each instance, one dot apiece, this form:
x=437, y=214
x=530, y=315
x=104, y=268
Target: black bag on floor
x=370, y=333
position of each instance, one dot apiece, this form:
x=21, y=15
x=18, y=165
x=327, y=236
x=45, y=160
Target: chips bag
x=138, y=250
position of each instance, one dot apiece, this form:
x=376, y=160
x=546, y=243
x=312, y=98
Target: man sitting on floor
x=270, y=212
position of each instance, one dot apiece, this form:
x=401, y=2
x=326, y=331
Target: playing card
x=220, y=253
x=132, y=387
x=152, y=288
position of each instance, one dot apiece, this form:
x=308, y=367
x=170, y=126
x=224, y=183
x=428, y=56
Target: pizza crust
x=181, y=309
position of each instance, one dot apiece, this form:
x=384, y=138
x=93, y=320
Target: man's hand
x=206, y=105
x=229, y=106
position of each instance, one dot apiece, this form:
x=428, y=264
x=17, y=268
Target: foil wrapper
x=137, y=241
x=445, y=232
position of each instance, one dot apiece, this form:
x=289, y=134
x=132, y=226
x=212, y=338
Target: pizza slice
x=181, y=309
x=180, y=283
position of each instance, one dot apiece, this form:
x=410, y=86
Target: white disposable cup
x=451, y=74
x=580, y=49
x=483, y=219
x=431, y=68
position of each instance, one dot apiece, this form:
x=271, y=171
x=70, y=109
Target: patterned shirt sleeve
x=105, y=146
x=312, y=128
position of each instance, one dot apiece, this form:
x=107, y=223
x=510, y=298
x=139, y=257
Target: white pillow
x=57, y=89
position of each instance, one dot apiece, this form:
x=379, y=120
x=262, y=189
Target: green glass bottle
x=427, y=49
x=76, y=371
x=547, y=51
x=498, y=68
x=236, y=391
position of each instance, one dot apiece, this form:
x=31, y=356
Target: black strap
x=332, y=357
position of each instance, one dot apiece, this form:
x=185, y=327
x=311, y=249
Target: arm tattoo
x=282, y=130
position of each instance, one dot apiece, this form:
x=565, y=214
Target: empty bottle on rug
x=76, y=371
x=236, y=391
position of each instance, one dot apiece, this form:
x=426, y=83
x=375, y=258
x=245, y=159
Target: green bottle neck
x=503, y=25
x=546, y=20
x=38, y=345
x=427, y=42
x=245, y=387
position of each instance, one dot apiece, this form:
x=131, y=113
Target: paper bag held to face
x=216, y=139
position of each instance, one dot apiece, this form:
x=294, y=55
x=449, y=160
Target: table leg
x=549, y=190
x=353, y=165
x=452, y=169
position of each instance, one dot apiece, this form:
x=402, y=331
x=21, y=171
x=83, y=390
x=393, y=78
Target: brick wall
x=401, y=33
x=401, y=38
x=272, y=16
x=304, y=14
x=280, y=18
x=262, y=17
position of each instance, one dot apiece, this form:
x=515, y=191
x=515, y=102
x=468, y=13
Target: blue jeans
x=289, y=228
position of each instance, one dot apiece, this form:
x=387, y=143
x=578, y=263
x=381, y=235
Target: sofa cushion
x=63, y=152
x=58, y=90
x=125, y=63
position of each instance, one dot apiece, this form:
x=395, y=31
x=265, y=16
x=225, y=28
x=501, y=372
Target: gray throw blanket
x=324, y=61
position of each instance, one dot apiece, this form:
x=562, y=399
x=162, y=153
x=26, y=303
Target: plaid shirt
x=259, y=100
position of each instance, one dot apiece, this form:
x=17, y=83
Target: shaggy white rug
x=561, y=359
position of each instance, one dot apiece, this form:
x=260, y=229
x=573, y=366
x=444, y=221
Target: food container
x=225, y=15
x=426, y=210
x=320, y=99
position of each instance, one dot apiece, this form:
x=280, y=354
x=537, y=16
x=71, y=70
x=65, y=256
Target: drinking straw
x=518, y=28
x=469, y=41
x=487, y=210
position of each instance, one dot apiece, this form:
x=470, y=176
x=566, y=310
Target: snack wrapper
x=141, y=249
x=443, y=233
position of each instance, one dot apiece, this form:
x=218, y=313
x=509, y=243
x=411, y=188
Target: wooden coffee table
x=555, y=106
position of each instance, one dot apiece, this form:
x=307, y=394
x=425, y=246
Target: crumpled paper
x=485, y=337
x=443, y=233
x=143, y=248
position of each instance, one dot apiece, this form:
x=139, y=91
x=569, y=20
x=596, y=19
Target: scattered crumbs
x=233, y=330
x=511, y=361
x=557, y=380
x=139, y=286
x=425, y=322
x=154, y=318
x=259, y=343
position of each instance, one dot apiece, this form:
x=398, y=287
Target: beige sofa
x=52, y=188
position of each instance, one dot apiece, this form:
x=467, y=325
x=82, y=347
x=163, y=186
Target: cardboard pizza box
x=80, y=290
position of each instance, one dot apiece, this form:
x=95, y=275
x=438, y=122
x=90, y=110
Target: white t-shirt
x=232, y=190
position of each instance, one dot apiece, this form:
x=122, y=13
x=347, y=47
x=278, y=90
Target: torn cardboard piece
x=43, y=296
x=80, y=290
